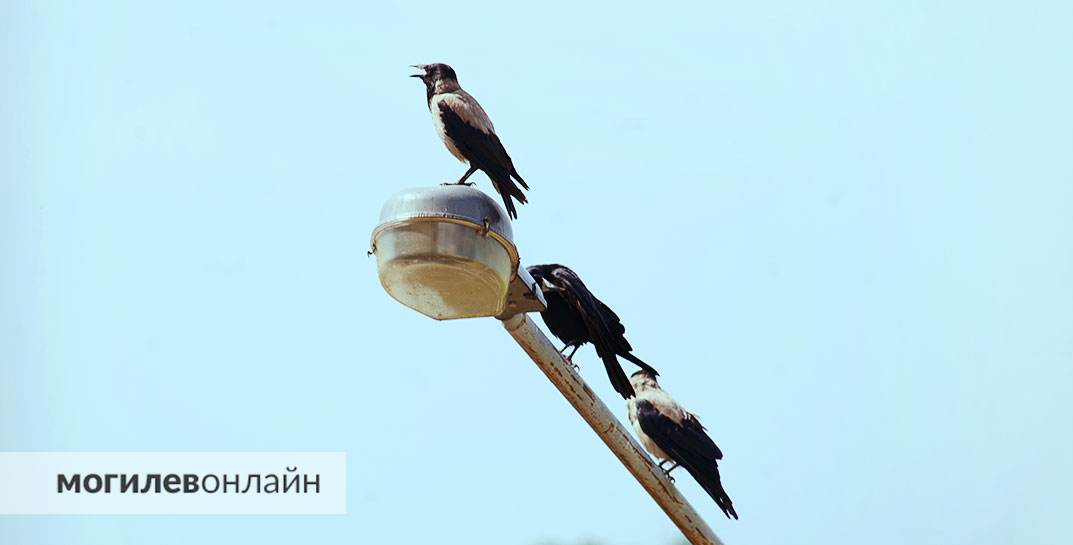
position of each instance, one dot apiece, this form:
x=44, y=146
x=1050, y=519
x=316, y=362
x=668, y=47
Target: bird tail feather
x=511, y=210
x=507, y=189
x=619, y=381
x=710, y=482
x=641, y=364
x=519, y=178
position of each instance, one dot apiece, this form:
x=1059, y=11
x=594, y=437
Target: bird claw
x=569, y=359
x=667, y=470
x=570, y=362
x=467, y=184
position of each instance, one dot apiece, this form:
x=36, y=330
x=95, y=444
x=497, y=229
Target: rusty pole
x=610, y=430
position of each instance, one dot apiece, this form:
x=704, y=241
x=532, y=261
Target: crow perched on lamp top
x=674, y=435
x=576, y=317
x=468, y=132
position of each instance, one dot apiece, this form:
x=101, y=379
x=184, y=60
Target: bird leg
x=462, y=180
x=667, y=470
x=570, y=359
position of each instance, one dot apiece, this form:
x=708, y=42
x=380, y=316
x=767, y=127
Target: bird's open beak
x=420, y=67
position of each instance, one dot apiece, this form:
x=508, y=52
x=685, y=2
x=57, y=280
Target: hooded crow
x=672, y=434
x=576, y=317
x=468, y=132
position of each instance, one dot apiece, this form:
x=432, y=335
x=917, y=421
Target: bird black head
x=643, y=380
x=543, y=274
x=438, y=78
x=434, y=73
x=539, y=272
x=643, y=373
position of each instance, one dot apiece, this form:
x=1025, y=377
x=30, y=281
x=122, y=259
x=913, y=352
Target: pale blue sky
x=843, y=231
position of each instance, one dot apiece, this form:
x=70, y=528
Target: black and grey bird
x=468, y=132
x=675, y=435
x=576, y=317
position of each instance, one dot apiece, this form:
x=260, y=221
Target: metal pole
x=604, y=423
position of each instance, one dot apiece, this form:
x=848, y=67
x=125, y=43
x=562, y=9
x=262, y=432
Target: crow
x=672, y=434
x=576, y=317
x=468, y=132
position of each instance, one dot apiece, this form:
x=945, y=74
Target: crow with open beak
x=468, y=133
x=675, y=435
x=575, y=316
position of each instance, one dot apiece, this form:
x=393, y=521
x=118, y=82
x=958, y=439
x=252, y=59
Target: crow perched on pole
x=468, y=132
x=576, y=317
x=673, y=434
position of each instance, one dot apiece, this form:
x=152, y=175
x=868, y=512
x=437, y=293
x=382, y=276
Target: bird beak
x=420, y=67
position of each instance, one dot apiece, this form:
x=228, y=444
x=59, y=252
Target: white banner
x=173, y=483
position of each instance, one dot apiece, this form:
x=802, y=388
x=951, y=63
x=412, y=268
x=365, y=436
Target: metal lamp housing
x=446, y=252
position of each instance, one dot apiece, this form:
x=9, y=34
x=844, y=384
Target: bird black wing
x=483, y=150
x=615, y=322
x=561, y=315
x=616, y=331
x=688, y=444
x=563, y=320
x=599, y=324
x=618, y=335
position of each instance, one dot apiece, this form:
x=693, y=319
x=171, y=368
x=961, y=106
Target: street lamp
x=447, y=252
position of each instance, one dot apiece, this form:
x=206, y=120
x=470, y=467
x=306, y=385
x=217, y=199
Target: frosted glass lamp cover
x=446, y=252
